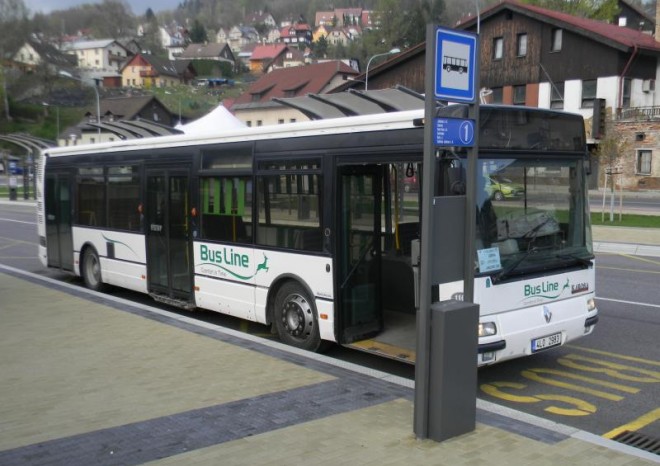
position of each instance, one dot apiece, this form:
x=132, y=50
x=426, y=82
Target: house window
x=292, y=120
x=625, y=98
x=260, y=123
x=557, y=95
x=588, y=93
x=498, y=48
x=643, y=163
x=249, y=123
x=497, y=95
x=556, y=40
x=519, y=95
x=522, y=45
x=280, y=121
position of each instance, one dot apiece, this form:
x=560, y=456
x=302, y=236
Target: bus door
x=169, y=235
x=59, y=237
x=359, y=252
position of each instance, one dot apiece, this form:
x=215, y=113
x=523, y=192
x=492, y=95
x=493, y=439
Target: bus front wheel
x=295, y=318
x=91, y=270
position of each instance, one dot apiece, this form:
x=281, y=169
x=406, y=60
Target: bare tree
x=610, y=152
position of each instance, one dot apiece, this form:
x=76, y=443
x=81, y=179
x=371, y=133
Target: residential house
x=256, y=106
x=340, y=17
x=146, y=108
x=240, y=36
x=633, y=17
x=268, y=55
x=34, y=53
x=257, y=18
x=298, y=35
x=222, y=36
x=292, y=57
x=146, y=71
x=216, y=52
x=543, y=58
x=326, y=18
x=321, y=31
x=339, y=36
x=106, y=55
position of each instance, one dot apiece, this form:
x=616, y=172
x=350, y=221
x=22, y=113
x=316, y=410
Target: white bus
x=307, y=227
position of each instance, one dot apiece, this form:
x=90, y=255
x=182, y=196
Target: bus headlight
x=487, y=329
x=591, y=304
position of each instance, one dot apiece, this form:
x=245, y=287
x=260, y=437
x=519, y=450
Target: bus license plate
x=546, y=342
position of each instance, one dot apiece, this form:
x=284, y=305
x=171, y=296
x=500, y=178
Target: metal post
x=422, y=360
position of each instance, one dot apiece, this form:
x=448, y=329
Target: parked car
x=500, y=188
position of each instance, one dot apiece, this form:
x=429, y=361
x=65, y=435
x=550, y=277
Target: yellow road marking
x=615, y=355
x=641, y=259
x=582, y=408
x=18, y=241
x=533, y=374
x=582, y=378
x=629, y=270
x=611, y=369
x=635, y=425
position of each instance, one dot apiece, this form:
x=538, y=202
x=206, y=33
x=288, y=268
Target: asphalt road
x=604, y=383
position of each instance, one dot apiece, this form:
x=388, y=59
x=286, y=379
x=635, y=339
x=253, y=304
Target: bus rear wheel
x=91, y=270
x=295, y=318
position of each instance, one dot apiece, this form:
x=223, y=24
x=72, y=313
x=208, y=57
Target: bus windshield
x=532, y=216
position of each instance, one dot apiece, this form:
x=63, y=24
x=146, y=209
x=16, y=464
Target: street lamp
x=66, y=74
x=366, y=74
x=57, y=113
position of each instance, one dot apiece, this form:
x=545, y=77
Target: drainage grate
x=641, y=441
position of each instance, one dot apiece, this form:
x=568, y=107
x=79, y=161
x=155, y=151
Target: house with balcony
x=106, y=55
x=147, y=71
x=297, y=35
x=605, y=72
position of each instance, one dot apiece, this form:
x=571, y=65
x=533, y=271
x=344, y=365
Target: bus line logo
x=546, y=289
x=227, y=260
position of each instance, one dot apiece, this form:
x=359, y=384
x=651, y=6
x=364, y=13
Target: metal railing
x=638, y=113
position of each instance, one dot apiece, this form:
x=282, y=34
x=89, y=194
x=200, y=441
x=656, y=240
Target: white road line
x=17, y=221
x=628, y=302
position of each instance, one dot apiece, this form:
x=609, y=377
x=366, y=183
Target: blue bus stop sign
x=455, y=65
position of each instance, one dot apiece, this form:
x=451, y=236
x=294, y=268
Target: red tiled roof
x=267, y=52
x=608, y=32
x=309, y=79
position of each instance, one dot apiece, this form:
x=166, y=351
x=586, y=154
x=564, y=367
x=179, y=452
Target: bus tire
x=90, y=269
x=295, y=317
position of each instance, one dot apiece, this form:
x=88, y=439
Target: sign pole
x=451, y=75
x=422, y=363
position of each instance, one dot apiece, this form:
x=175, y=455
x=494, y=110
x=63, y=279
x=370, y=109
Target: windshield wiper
x=506, y=271
x=580, y=260
x=534, y=232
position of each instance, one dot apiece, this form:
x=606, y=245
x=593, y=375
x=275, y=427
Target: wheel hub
x=297, y=316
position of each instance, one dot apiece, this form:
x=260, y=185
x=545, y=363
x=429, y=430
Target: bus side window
x=227, y=209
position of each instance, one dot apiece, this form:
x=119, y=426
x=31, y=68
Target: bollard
x=453, y=369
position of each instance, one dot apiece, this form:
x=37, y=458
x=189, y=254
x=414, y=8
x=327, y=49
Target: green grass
x=627, y=220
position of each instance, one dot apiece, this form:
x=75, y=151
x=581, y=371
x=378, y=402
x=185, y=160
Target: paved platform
x=88, y=379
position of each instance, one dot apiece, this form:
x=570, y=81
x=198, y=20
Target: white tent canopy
x=216, y=121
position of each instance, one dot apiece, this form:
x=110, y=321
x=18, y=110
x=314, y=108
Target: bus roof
x=355, y=124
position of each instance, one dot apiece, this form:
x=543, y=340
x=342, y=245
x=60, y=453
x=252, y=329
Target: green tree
x=604, y=10
x=13, y=23
x=198, y=33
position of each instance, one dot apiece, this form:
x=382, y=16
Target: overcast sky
x=139, y=7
